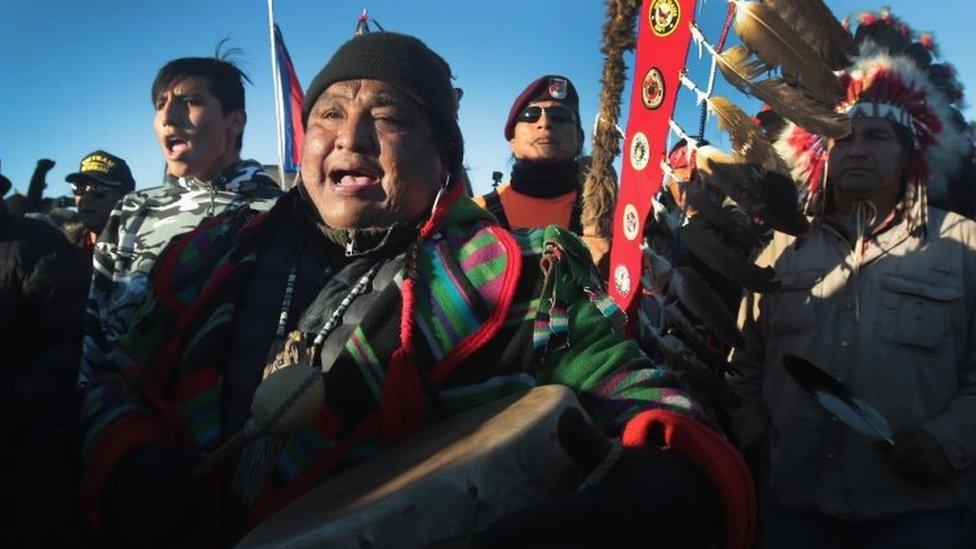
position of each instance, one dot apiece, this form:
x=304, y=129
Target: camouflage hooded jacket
x=138, y=229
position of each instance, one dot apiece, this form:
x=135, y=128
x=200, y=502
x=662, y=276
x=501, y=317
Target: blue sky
x=76, y=75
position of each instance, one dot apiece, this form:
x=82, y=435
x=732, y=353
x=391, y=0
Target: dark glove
x=45, y=164
x=918, y=456
x=650, y=496
x=153, y=501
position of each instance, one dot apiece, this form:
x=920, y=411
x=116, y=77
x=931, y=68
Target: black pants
x=41, y=475
x=787, y=528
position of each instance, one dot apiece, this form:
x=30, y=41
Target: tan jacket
x=911, y=354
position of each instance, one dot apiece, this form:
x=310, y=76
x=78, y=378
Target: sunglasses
x=88, y=189
x=557, y=113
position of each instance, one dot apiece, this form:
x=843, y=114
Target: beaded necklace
x=358, y=289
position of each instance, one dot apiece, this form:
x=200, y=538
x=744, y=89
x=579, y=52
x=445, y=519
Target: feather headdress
x=892, y=76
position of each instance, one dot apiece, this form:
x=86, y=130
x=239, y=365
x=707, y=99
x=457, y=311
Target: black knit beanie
x=407, y=64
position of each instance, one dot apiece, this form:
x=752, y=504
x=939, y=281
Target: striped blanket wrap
x=555, y=325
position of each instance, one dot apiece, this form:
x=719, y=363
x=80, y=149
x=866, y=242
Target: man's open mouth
x=176, y=145
x=352, y=178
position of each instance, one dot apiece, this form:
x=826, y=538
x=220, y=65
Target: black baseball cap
x=105, y=168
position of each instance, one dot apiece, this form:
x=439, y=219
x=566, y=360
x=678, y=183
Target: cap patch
x=558, y=88
x=97, y=163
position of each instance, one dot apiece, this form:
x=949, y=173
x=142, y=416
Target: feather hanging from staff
x=766, y=34
x=725, y=216
x=742, y=70
x=683, y=327
x=657, y=270
x=705, y=244
x=781, y=209
x=769, y=195
x=699, y=377
x=702, y=198
x=748, y=139
x=765, y=193
x=694, y=292
x=698, y=196
x=814, y=23
x=741, y=181
x=672, y=347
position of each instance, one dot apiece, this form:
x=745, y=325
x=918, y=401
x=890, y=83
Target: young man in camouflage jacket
x=199, y=123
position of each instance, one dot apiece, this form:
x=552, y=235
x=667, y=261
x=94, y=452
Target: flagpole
x=279, y=101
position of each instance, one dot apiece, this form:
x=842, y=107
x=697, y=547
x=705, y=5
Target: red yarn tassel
x=402, y=404
x=402, y=401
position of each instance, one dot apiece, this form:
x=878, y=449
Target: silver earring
x=440, y=192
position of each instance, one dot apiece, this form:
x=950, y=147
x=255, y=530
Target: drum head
x=451, y=479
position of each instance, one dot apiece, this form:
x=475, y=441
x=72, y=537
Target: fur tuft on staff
x=600, y=186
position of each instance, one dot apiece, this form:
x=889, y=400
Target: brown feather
x=766, y=194
x=748, y=139
x=741, y=181
x=710, y=201
x=814, y=23
x=705, y=244
x=741, y=70
x=682, y=325
x=781, y=205
x=693, y=373
x=736, y=224
x=765, y=33
x=672, y=347
x=657, y=270
x=697, y=295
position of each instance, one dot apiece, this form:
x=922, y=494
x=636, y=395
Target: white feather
x=861, y=417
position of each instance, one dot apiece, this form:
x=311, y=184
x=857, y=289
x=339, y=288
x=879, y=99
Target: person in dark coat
x=43, y=286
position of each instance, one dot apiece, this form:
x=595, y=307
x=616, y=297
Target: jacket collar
x=461, y=210
x=241, y=176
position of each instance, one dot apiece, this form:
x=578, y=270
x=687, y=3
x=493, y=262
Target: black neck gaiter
x=541, y=180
